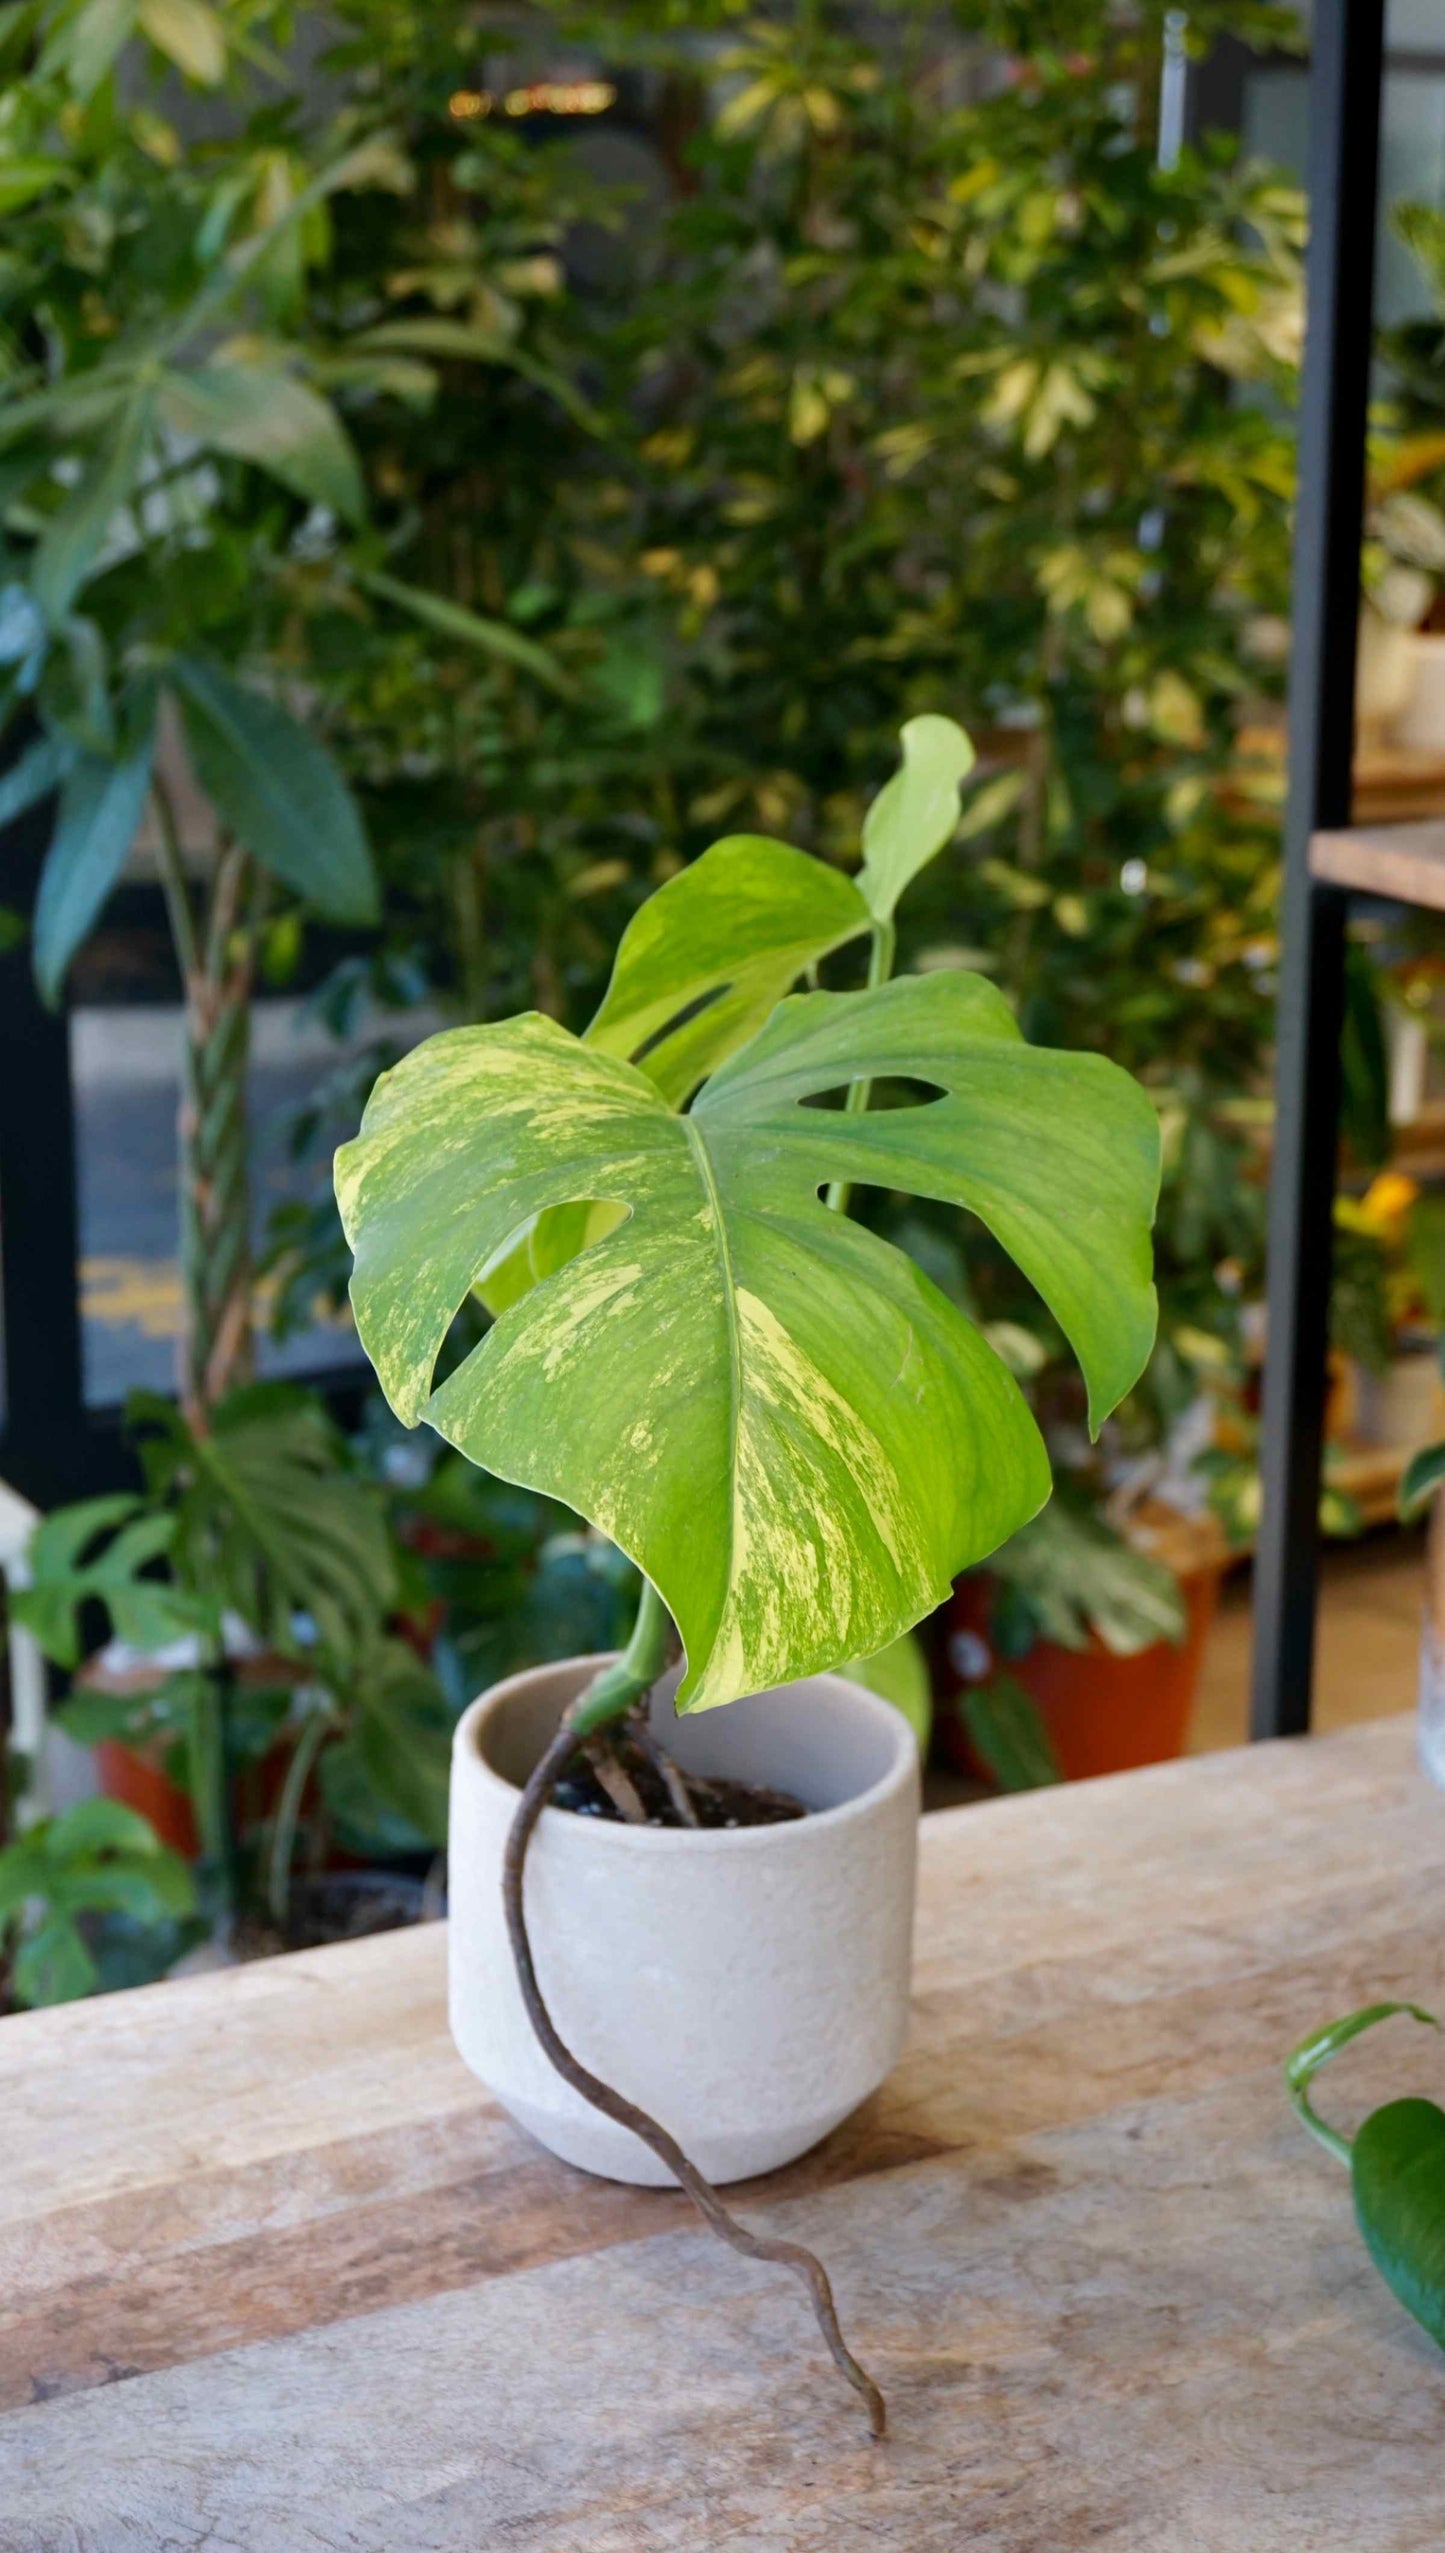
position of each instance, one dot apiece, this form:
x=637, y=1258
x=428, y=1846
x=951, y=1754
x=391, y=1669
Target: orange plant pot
x=139, y=1782
x=136, y=1776
x=1103, y=1714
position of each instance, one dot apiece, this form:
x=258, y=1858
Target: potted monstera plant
x=795, y=1435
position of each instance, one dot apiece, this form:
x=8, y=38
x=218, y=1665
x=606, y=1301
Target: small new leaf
x=916, y=813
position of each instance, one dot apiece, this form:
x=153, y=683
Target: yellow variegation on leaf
x=774, y=1412
x=701, y=965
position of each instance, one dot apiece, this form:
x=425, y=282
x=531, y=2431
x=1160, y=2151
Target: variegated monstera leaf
x=705, y=959
x=780, y=1418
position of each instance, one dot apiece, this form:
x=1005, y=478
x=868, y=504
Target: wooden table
x=275, y=2275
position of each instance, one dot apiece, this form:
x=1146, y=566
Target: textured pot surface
x=748, y=1987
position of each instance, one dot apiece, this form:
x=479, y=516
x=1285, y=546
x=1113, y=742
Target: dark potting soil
x=715, y=1801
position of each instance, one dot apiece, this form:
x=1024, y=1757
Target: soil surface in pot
x=714, y=1800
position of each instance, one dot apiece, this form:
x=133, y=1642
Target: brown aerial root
x=614, y=2105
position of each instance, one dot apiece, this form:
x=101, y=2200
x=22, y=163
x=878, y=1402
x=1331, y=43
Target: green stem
x=628, y=1679
x=1304, y=2062
x=880, y=967
x=208, y=1780
x=288, y=1814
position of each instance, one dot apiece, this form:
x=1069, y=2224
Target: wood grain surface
x=276, y=2274
x=1402, y=860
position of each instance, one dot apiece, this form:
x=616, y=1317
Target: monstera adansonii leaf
x=775, y=1413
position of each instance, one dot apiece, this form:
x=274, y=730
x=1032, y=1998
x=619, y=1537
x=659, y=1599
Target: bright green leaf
x=900, y=1675
x=698, y=969
x=277, y=790
x=772, y=1411
x=916, y=813
x=188, y=33
x=706, y=958
x=23, y=178
x=264, y=415
x=85, y=47
x=1396, y=2164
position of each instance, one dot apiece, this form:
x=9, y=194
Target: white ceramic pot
x=748, y=1987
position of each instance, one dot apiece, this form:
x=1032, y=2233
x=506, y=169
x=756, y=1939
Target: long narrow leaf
x=278, y=790
x=487, y=637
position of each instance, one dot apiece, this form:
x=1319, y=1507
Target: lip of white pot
x=748, y=1986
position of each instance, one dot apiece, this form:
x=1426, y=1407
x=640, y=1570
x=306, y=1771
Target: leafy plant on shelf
x=1396, y=2163
x=789, y=1429
x=264, y=1529
x=1069, y=1578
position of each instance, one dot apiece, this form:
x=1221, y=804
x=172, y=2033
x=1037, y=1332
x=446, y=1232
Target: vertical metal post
x=42, y=1410
x=1344, y=94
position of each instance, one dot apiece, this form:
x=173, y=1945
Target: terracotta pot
x=1103, y=1713
x=748, y=1987
x=136, y=1776
x=139, y=1781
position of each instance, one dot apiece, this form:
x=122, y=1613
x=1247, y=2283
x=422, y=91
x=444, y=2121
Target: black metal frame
x=42, y=1401
x=1345, y=89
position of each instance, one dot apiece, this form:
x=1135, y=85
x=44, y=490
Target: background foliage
x=577, y=524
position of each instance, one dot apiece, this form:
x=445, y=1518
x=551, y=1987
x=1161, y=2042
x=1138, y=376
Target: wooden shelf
x=1393, y=784
x=1403, y=861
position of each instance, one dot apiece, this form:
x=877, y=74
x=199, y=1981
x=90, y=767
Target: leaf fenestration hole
x=680, y=1019
x=893, y=1091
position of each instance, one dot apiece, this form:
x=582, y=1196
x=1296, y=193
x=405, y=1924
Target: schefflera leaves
x=774, y=1412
